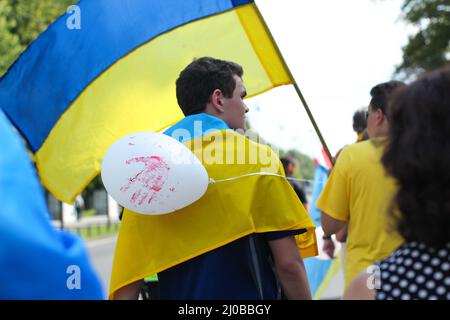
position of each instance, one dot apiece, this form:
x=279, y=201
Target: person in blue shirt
x=36, y=261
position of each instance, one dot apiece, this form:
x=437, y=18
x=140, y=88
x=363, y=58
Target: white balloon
x=152, y=173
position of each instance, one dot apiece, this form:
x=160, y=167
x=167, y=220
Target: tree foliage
x=305, y=165
x=429, y=47
x=9, y=42
x=21, y=21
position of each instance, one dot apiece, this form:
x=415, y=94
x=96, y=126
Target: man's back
x=247, y=194
x=240, y=270
x=194, y=250
x=359, y=191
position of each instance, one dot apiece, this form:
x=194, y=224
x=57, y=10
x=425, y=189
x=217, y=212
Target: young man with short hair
x=358, y=192
x=242, y=237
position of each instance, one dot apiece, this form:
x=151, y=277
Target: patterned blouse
x=415, y=272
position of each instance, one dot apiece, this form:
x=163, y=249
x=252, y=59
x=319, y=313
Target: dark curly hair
x=417, y=155
x=200, y=78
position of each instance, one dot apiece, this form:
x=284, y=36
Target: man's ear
x=380, y=116
x=217, y=100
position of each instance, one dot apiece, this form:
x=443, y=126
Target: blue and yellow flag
x=76, y=90
x=320, y=179
x=251, y=195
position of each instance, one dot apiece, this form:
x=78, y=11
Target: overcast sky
x=337, y=51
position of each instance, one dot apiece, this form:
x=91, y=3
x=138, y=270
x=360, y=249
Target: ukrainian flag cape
x=229, y=209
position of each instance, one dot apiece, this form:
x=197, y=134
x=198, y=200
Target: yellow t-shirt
x=359, y=191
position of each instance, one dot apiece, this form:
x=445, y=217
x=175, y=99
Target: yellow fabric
x=137, y=93
x=228, y=211
x=359, y=191
x=360, y=136
x=261, y=41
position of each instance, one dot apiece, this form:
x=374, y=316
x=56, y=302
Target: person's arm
x=331, y=225
x=290, y=268
x=341, y=235
x=359, y=290
x=129, y=292
x=328, y=247
x=335, y=198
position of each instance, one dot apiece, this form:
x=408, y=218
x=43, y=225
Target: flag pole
x=297, y=89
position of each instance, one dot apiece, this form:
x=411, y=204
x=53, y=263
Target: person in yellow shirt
x=359, y=192
x=420, y=125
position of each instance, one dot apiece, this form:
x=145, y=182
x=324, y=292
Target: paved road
x=101, y=252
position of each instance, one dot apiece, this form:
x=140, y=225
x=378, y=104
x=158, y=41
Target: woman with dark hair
x=418, y=157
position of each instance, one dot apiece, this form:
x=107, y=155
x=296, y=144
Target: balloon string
x=211, y=180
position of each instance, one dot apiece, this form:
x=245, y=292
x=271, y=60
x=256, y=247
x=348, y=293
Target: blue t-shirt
x=226, y=273
x=231, y=271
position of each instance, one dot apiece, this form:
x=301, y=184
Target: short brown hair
x=200, y=78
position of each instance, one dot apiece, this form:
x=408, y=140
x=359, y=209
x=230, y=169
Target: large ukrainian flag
x=74, y=92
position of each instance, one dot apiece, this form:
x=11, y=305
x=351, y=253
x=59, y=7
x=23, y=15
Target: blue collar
x=195, y=126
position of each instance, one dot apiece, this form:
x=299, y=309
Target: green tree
x=95, y=184
x=305, y=165
x=429, y=47
x=9, y=42
x=21, y=21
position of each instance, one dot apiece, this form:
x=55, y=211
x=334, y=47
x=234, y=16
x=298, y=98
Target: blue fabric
x=56, y=68
x=316, y=270
x=34, y=258
x=195, y=126
x=237, y=3
x=320, y=179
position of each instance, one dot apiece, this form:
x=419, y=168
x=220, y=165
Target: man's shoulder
x=355, y=156
x=360, y=146
x=361, y=149
x=252, y=151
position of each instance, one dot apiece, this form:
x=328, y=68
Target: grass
x=88, y=213
x=96, y=231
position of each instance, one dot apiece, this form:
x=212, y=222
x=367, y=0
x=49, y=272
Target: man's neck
x=381, y=131
x=378, y=136
x=209, y=110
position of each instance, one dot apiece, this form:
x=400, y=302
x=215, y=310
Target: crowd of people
x=387, y=197
x=390, y=192
x=387, y=194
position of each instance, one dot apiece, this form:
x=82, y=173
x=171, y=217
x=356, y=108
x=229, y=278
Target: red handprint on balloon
x=147, y=182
